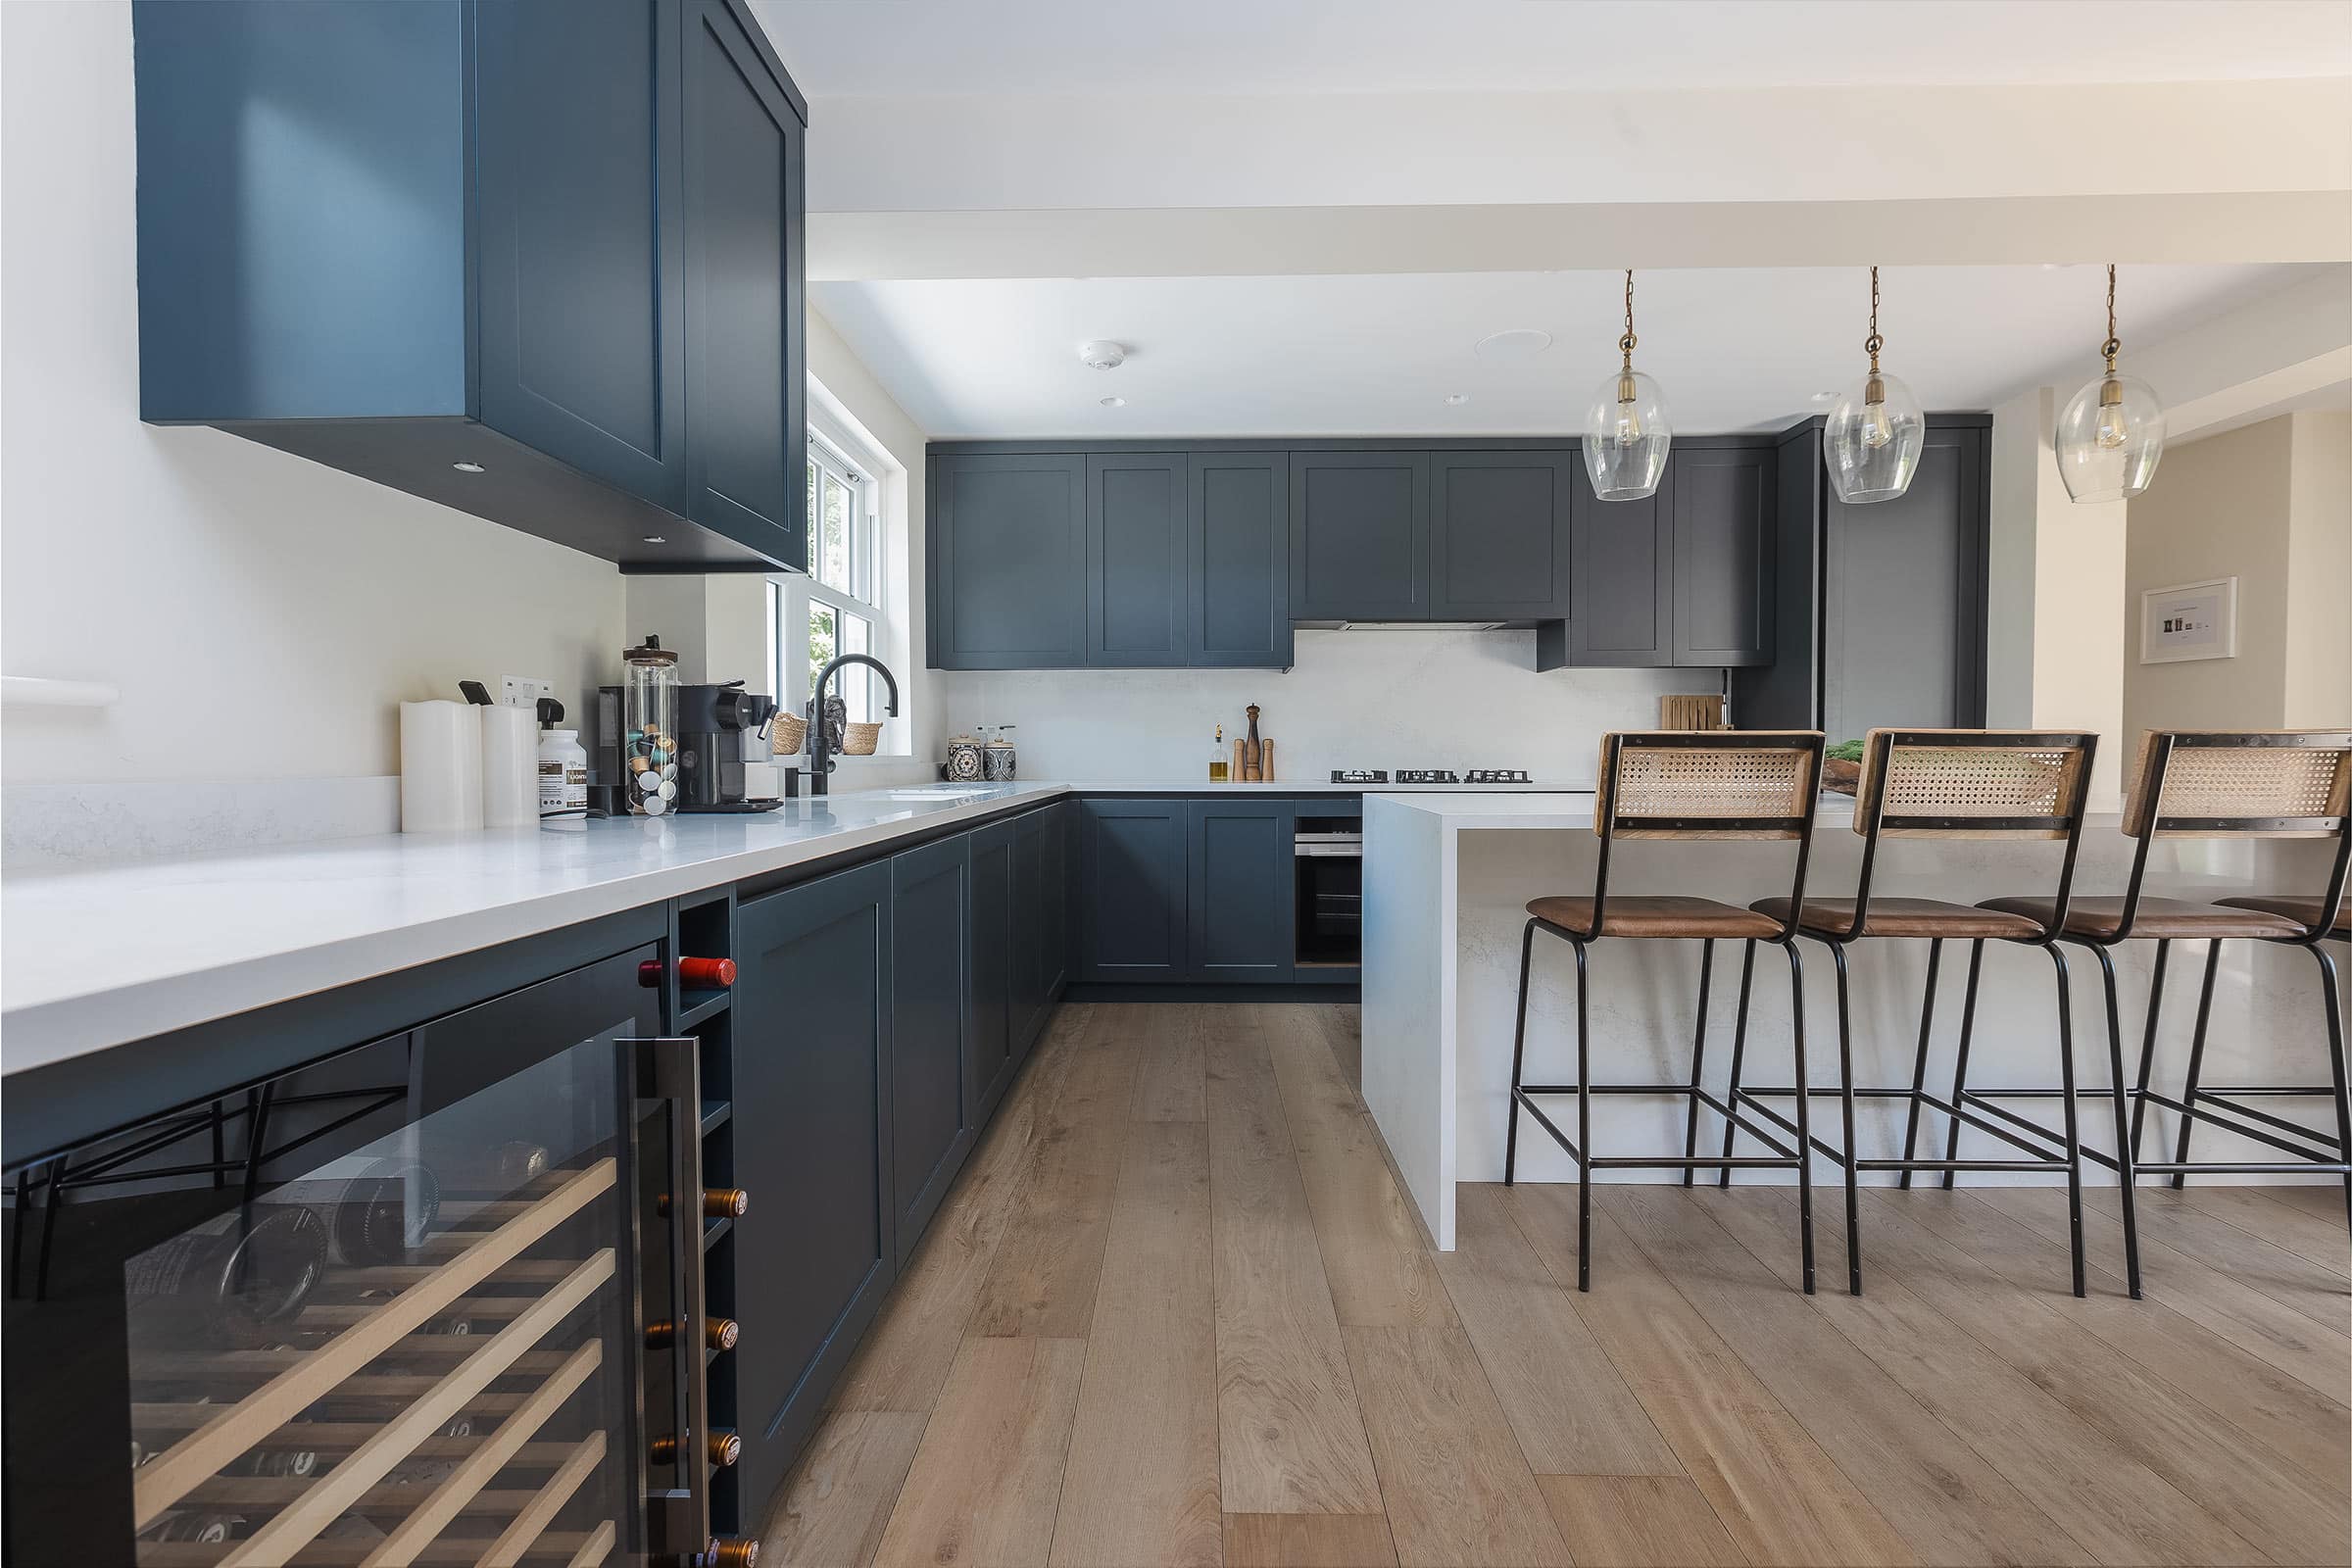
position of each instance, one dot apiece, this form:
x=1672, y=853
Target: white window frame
x=792, y=598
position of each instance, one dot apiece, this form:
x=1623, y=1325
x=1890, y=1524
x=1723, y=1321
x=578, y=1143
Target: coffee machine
x=714, y=726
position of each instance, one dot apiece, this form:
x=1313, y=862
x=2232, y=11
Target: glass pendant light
x=2110, y=433
x=1874, y=436
x=1626, y=433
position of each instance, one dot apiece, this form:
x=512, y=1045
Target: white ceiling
x=870, y=47
x=1377, y=354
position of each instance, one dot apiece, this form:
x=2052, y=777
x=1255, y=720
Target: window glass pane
x=822, y=639
x=833, y=555
x=858, y=682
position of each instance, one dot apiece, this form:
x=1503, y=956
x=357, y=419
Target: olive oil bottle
x=1218, y=765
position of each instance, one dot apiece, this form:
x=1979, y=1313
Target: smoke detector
x=1100, y=354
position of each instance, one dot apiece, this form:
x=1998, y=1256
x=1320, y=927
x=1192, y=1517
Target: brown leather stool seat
x=2158, y=919
x=1638, y=915
x=2305, y=913
x=1907, y=918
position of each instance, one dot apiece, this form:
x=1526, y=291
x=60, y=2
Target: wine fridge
x=431, y=1299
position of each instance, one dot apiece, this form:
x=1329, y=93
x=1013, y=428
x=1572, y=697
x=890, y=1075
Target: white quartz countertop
x=95, y=956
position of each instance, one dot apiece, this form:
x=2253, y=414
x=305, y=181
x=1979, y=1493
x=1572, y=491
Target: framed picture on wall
x=2189, y=620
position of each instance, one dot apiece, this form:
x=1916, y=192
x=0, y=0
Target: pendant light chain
x=2113, y=344
x=1625, y=344
x=1872, y=343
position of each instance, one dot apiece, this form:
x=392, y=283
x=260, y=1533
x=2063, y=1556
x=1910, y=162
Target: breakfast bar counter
x=1447, y=877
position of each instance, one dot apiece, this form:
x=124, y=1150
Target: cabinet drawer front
x=1498, y=541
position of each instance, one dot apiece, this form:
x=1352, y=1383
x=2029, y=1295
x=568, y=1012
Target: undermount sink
x=942, y=792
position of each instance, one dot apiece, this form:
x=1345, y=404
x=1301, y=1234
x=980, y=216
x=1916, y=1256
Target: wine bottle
x=718, y=1202
x=378, y=1216
x=718, y=1333
x=721, y=1448
x=694, y=974
x=235, y=1280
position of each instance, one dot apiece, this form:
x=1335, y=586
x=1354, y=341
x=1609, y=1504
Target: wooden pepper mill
x=1253, y=755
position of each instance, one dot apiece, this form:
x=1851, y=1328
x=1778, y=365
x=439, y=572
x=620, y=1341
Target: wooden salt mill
x=1253, y=755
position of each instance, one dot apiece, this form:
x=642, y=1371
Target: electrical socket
x=523, y=691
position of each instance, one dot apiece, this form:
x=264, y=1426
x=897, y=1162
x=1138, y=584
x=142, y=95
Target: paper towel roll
x=440, y=768
x=510, y=767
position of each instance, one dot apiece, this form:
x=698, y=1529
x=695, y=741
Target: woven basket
x=786, y=738
x=859, y=740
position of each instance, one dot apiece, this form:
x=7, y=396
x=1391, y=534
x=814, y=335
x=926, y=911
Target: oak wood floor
x=1177, y=1312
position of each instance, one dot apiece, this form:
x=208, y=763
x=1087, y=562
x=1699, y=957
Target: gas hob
x=1430, y=775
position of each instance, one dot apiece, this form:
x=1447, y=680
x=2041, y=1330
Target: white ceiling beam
x=2313, y=225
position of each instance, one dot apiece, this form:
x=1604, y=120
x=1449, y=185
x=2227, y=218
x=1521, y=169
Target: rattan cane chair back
x=1971, y=783
x=2279, y=784
x=1724, y=784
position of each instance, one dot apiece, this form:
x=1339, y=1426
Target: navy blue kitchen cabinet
x=1241, y=891
x=1237, y=580
x=1136, y=559
x=1359, y=536
x=1131, y=869
x=536, y=260
x=1724, y=512
x=1039, y=924
x=1622, y=602
x=931, y=1106
x=988, y=1061
x=1498, y=539
x=812, y=1011
x=1008, y=562
x=747, y=380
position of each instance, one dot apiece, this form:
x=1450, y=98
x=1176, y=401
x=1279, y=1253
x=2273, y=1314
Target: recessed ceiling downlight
x=468, y=468
x=1454, y=400
x=1513, y=347
x=1115, y=403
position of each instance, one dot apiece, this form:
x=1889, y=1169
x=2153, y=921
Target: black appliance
x=1327, y=857
x=714, y=726
x=430, y=1291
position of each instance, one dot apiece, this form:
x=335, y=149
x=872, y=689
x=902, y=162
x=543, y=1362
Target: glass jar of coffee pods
x=649, y=716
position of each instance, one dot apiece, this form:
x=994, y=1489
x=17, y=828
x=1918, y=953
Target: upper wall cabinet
x=1498, y=537
x=1238, y=582
x=1008, y=562
x=1136, y=559
x=537, y=260
x=1359, y=536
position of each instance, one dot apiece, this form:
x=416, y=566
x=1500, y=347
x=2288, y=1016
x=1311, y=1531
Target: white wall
x=1356, y=699
x=263, y=616
x=2319, y=671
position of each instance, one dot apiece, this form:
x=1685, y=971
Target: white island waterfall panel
x=1446, y=879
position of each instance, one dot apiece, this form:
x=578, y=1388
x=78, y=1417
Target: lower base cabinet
x=1240, y=887
x=1188, y=891
x=1131, y=881
x=931, y=1121
x=988, y=1023
x=817, y=1251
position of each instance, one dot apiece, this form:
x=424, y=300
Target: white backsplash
x=1363, y=698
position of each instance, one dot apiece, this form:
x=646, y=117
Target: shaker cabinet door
x=814, y=1118
x=746, y=364
x=1624, y=579
x=988, y=1022
x=931, y=1125
x=1359, y=535
x=582, y=247
x=1722, y=556
x=1132, y=881
x=1242, y=882
x=1499, y=534
x=1239, y=584
x=1008, y=562
x=1135, y=560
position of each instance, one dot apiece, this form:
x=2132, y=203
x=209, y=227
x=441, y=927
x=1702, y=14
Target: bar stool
x=1943, y=784
x=1705, y=785
x=2211, y=785
x=2304, y=777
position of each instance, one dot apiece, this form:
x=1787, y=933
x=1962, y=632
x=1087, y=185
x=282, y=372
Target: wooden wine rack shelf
x=411, y=1419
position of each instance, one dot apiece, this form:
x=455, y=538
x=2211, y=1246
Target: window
x=837, y=608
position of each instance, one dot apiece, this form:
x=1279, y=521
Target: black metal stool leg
x=1804, y=1122
x=2147, y=1044
x=2125, y=1177
x=1968, y=1029
x=2074, y=1133
x=1510, y=1137
x=2196, y=1060
x=1845, y=1093
x=1698, y=1055
x=1919, y=1064
x=1583, y=1129
x=1730, y=1098
x=2337, y=1067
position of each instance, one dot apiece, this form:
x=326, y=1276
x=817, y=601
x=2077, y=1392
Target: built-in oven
x=1328, y=856
x=431, y=1299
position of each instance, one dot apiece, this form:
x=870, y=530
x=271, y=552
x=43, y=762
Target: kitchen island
x=1447, y=877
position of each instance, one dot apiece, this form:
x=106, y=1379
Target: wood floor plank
x=2119, y=1508
x=1042, y=1278
x=1379, y=1273
x=1290, y=1436
x=1950, y=1505
x=1571, y=1411
x=2256, y=1450
x=831, y=1512
x=985, y=1479
x=2257, y=1323
x=1342, y=1032
x=1308, y=1540
x=1638, y=1522
x=2315, y=1234
x=1778, y=1495
x=1458, y=1491
x=2324, y=1199
x=1170, y=1082
x=2318, y=1293
x=1141, y=1486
